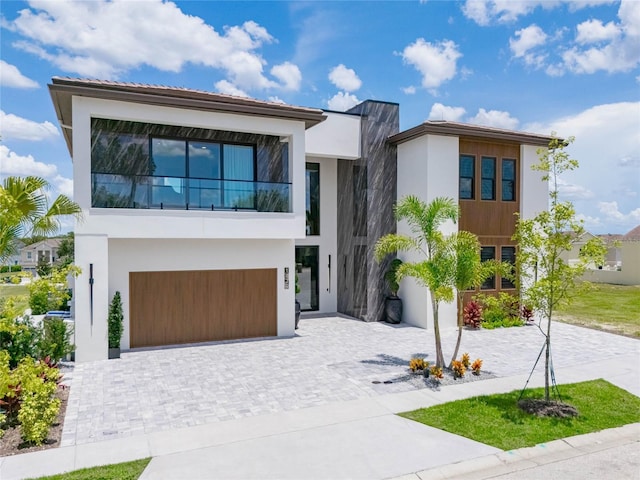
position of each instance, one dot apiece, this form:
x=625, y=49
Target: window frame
x=472, y=178
x=512, y=181
x=505, y=283
x=308, y=168
x=489, y=283
x=483, y=178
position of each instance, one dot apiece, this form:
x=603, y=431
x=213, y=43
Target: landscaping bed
x=11, y=442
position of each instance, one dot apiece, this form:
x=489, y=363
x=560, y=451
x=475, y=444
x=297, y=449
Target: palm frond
x=393, y=243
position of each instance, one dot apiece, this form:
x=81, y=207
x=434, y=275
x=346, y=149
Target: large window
x=488, y=186
x=307, y=277
x=508, y=254
x=360, y=185
x=508, y=179
x=488, y=253
x=467, y=176
x=313, y=198
x=139, y=165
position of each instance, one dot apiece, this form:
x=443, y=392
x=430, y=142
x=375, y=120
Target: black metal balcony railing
x=180, y=193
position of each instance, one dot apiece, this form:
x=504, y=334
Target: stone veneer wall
x=363, y=219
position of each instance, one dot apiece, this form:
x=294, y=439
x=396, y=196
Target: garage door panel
x=197, y=306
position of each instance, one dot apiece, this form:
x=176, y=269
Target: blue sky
x=541, y=66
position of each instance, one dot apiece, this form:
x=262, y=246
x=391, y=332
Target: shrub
x=499, y=311
x=51, y=293
x=56, y=339
x=19, y=337
x=465, y=360
x=115, y=323
x=15, y=280
x=418, y=364
x=526, y=313
x=39, y=407
x=472, y=314
x=476, y=366
x=458, y=369
x=436, y=372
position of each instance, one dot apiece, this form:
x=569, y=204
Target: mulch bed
x=11, y=442
x=542, y=408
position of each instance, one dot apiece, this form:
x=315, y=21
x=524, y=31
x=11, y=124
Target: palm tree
x=25, y=211
x=471, y=272
x=436, y=271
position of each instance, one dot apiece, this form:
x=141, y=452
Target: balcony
x=182, y=193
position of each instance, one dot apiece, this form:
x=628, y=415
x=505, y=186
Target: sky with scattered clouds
x=572, y=67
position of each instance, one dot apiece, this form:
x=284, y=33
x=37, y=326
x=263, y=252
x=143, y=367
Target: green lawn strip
x=19, y=291
x=609, y=304
x=496, y=420
x=119, y=471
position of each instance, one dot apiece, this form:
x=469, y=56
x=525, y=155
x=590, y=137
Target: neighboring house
x=622, y=266
x=45, y=250
x=204, y=210
x=14, y=258
x=577, y=242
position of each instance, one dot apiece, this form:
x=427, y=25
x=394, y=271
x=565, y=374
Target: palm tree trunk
x=436, y=331
x=460, y=324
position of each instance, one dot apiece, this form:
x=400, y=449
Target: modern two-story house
x=205, y=210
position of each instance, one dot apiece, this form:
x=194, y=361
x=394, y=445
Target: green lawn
x=119, y=471
x=615, y=308
x=15, y=290
x=497, y=420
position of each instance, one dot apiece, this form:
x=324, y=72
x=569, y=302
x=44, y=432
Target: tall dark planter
x=114, y=353
x=297, y=313
x=393, y=309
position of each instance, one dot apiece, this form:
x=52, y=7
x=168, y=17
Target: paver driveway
x=329, y=360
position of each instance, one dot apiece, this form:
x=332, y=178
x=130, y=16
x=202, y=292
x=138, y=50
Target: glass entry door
x=307, y=278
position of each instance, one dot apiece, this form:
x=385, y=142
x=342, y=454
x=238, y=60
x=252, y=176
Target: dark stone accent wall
x=361, y=287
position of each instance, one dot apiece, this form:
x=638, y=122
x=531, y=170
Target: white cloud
x=571, y=191
x=95, y=39
x=437, y=62
x=10, y=76
x=342, y=101
x=443, y=112
x=345, y=78
x=526, y=39
x=495, y=118
x=63, y=185
x=288, y=74
x=13, y=164
x=226, y=87
x=589, y=221
x=593, y=31
x=14, y=127
x=410, y=90
x=276, y=99
x=613, y=213
x=485, y=12
x=619, y=50
x=607, y=145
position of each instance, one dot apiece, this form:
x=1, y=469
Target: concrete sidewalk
x=352, y=439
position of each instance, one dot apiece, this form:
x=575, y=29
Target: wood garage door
x=167, y=308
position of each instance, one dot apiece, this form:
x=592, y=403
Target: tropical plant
x=115, y=323
x=391, y=276
x=476, y=366
x=418, y=364
x=470, y=272
x=435, y=270
x=458, y=369
x=25, y=211
x=546, y=278
x=472, y=314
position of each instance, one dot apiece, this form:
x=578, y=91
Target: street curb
x=511, y=461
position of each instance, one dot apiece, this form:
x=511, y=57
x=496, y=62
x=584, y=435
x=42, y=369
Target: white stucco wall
x=122, y=223
x=427, y=168
x=534, y=196
x=337, y=137
x=327, y=241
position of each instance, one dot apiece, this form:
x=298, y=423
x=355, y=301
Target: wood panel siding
x=490, y=218
x=168, y=308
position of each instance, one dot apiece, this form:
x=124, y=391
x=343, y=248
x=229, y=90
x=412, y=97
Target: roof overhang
x=62, y=90
x=468, y=131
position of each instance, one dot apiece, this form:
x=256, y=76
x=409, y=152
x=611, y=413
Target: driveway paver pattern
x=329, y=360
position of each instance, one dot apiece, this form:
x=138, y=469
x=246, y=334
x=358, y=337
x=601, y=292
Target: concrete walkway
x=302, y=407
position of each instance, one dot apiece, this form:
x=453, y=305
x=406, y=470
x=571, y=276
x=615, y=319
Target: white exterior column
x=91, y=337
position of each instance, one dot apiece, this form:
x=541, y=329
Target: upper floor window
x=508, y=179
x=488, y=253
x=467, y=176
x=138, y=165
x=488, y=187
x=313, y=198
